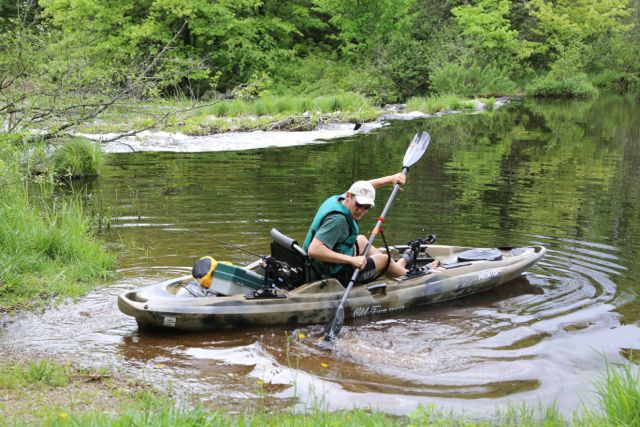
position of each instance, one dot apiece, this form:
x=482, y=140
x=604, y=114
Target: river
x=563, y=174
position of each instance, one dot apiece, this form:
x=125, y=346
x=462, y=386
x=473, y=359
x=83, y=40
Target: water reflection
x=561, y=175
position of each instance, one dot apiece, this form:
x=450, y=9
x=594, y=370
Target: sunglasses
x=365, y=207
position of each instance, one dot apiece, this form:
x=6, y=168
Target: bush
x=471, y=80
x=77, y=158
x=616, y=81
x=550, y=86
x=320, y=76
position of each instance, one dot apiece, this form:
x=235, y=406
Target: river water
x=562, y=174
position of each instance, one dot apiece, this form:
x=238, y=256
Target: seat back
x=286, y=249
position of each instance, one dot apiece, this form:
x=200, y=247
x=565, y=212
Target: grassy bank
x=267, y=113
x=48, y=248
x=61, y=394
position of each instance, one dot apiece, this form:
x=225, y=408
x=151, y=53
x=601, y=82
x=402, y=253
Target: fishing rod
x=223, y=243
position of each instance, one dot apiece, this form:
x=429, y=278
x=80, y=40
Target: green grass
x=288, y=104
x=619, y=406
x=620, y=397
x=77, y=158
x=47, y=245
x=574, y=86
x=439, y=104
x=263, y=113
x=39, y=373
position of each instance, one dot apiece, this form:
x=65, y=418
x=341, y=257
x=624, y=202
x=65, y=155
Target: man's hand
x=358, y=262
x=398, y=178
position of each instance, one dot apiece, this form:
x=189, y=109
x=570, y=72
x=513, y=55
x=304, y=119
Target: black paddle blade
x=417, y=147
x=332, y=329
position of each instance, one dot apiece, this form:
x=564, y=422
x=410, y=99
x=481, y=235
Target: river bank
x=35, y=390
x=203, y=133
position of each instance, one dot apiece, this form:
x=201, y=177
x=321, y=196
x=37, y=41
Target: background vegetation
x=63, y=62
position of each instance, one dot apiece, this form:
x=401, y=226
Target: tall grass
x=47, y=246
x=620, y=397
x=278, y=105
x=77, y=158
x=438, y=104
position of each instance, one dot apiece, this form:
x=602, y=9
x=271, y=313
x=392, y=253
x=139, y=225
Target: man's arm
x=397, y=178
x=319, y=251
x=326, y=238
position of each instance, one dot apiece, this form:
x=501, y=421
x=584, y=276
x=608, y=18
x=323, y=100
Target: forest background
x=63, y=62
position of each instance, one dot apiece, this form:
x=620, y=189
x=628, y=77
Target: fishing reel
x=416, y=246
x=279, y=274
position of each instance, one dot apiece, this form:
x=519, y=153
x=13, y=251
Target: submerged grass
x=108, y=401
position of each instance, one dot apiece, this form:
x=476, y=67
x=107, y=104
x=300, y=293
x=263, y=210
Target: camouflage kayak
x=237, y=298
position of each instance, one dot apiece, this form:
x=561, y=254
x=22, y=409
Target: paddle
x=416, y=149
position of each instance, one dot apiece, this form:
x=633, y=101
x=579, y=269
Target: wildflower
x=324, y=365
x=301, y=335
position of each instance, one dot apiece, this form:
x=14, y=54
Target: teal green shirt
x=335, y=227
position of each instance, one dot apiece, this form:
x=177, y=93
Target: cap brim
x=363, y=200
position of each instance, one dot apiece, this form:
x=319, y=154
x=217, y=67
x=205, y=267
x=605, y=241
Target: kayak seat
x=284, y=248
x=480, y=254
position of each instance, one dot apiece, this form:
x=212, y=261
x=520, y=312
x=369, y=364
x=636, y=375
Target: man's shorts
x=365, y=275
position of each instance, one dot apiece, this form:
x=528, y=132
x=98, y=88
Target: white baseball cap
x=364, y=192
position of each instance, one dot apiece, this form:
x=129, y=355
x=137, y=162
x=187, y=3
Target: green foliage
x=63, y=62
x=439, y=104
x=577, y=86
x=616, y=81
x=365, y=26
x=471, y=80
x=485, y=23
x=564, y=22
x=566, y=78
x=77, y=158
x=275, y=105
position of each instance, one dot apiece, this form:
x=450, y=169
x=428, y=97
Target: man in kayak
x=334, y=243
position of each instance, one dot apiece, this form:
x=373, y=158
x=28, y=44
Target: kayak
x=253, y=295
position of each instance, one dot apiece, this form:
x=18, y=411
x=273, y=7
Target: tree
x=563, y=22
x=486, y=25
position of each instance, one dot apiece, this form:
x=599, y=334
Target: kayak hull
x=159, y=306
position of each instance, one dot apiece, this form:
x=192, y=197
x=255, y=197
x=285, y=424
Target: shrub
x=551, y=86
x=77, y=158
x=472, y=80
x=616, y=81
